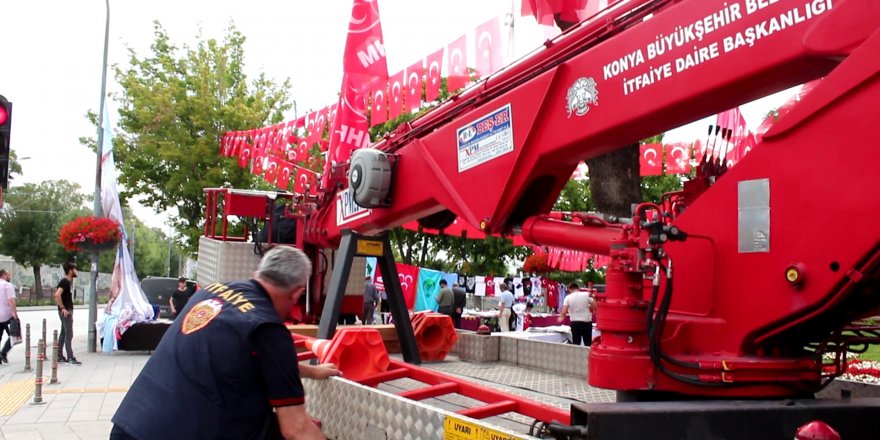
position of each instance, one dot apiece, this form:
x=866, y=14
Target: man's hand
x=560, y=318
x=319, y=372
x=64, y=312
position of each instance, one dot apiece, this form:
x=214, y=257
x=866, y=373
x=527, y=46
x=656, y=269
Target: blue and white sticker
x=485, y=139
x=347, y=210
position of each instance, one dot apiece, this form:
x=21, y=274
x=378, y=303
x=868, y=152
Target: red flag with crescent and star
x=285, y=169
x=413, y=83
x=487, y=47
x=456, y=56
x=651, y=160
x=678, y=158
x=378, y=105
x=395, y=95
x=433, y=65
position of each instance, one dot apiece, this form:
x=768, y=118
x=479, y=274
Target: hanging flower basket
x=90, y=234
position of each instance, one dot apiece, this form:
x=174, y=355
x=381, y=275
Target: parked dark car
x=159, y=290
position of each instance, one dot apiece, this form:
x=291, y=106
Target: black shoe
x=62, y=360
x=3, y=358
x=73, y=361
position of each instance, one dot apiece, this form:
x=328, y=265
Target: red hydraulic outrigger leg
x=438, y=384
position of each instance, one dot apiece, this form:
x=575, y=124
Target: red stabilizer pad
x=357, y=352
x=435, y=335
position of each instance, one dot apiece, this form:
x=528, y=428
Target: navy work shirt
x=218, y=371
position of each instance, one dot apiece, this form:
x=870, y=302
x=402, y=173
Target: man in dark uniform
x=226, y=362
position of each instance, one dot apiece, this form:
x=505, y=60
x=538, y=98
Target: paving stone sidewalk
x=77, y=408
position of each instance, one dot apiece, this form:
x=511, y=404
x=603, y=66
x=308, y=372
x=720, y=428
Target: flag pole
x=93, y=281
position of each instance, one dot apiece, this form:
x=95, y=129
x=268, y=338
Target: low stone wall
x=546, y=356
x=471, y=347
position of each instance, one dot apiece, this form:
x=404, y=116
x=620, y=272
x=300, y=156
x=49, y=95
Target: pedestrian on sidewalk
x=505, y=304
x=445, y=299
x=64, y=301
x=371, y=298
x=8, y=311
x=459, y=302
x=179, y=297
x=227, y=362
x=580, y=307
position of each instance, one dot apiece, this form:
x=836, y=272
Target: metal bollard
x=44, y=329
x=38, y=381
x=27, y=347
x=54, y=378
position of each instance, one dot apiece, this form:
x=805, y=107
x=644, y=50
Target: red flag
x=568, y=10
x=487, y=48
x=305, y=181
x=741, y=138
x=364, y=60
x=434, y=63
x=364, y=66
x=678, y=158
x=651, y=160
x=245, y=152
x=302, y=150
x=456, y=56
x=408, y=276
x=285, y=169
x=395, y=95
x=319, y=126
x=414, y=86
x=331, y=112
x=224, y=144
x=271, y=171
x=234, y=144
x=310, y=127
x=699, y=150
x=350, y=129
x=378, y=106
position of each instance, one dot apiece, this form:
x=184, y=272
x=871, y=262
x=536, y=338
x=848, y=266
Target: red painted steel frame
x=736, y=326
x=496, y=402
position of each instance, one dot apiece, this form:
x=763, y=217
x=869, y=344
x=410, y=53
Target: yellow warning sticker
x=455, y=428
x=370, y=247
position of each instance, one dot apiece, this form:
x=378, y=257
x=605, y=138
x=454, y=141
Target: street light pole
x=93, y=284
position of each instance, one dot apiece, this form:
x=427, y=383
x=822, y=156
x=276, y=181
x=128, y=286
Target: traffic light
x=5, y=130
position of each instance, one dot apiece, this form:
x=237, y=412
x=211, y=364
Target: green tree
x=30, y=221
x=175, y=106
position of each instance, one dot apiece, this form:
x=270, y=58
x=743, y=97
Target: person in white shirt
x=504, y=308
x=580, y=306
x=7, y=311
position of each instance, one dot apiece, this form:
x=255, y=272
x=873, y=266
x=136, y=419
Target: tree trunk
x=614, y=177
x=614, y=181
x=38, y=283
x=424, y=250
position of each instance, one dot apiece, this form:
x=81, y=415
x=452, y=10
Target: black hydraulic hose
x=565, y=432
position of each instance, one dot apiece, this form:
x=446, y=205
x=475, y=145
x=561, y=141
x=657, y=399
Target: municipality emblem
x=580, y=95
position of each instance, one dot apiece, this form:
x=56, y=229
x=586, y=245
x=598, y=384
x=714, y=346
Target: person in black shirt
x=227, y=362
x=459, y=302
x=179, y=297
x=64, y=300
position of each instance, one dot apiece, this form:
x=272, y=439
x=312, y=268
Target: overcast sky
x=51, y=58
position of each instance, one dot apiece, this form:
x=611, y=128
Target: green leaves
x=175, y=105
